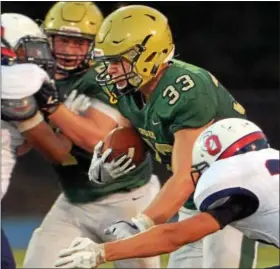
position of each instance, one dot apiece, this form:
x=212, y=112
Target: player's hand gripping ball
x=122, y=150
x=125, y=141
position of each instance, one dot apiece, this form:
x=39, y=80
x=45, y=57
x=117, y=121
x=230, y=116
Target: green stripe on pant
x=248, y=253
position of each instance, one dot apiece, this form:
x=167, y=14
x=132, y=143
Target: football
x=125, y=140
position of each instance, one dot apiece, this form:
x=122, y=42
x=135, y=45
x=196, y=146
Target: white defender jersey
x=255, y=174
x=21, y=80
x=10, y=140
x=18, y=81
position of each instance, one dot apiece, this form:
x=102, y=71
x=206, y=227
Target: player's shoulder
x=188, y=80
x=198, y=74
x=180, y=66
x=231, y=176
x=216, y=185
x=24, y=70
x=254, y=161
x=22, y=80
x=222, y=170
x=269, y=153
x=261, y=162
x=182, y=85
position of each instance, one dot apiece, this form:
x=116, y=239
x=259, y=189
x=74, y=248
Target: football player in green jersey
x=170, y=102
x=85, y=208
x=226, y=193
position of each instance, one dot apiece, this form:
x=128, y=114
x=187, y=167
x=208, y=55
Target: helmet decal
x=213, y=145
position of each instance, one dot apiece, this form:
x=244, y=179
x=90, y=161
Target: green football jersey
x=83, y=82
x=185, y=97
x=74, y=176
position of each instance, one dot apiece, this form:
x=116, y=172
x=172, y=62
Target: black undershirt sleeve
x=235, y=208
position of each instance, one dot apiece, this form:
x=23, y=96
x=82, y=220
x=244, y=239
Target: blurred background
x=236, y=41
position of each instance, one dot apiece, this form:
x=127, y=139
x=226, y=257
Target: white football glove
x=124, y=229
x=113, y=170
x=77, y=103
x=82, y=253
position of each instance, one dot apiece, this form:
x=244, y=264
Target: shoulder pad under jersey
x=22, y=80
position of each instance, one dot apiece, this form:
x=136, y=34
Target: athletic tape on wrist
x=101, y=255
x=143, y=222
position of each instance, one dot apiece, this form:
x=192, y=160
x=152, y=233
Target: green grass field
x=268, y=256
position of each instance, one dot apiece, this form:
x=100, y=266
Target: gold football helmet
x=140, y=35
x=79, y=20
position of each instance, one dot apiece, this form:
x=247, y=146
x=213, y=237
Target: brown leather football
x=125, y=140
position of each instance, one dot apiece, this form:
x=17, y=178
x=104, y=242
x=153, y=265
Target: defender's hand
x=82, y=253
x=77, y=103
x=122, y=229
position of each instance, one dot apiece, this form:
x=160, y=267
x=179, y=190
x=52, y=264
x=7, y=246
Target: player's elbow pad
x=18, y=109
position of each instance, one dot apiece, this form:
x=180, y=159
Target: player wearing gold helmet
x=85, y=208
x=71, y=28
x=170, y=102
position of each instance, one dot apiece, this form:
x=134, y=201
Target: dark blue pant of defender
x=7, y=258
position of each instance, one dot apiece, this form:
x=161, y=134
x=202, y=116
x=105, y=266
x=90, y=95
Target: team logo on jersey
x=211, y=143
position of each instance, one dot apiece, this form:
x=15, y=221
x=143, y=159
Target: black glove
x=48, y=98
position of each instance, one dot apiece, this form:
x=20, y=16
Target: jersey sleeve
x=195, y=106
x=221, y=192
x=235, y=208
x=219, y=184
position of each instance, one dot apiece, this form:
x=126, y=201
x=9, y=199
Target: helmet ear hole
x=150, y=57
